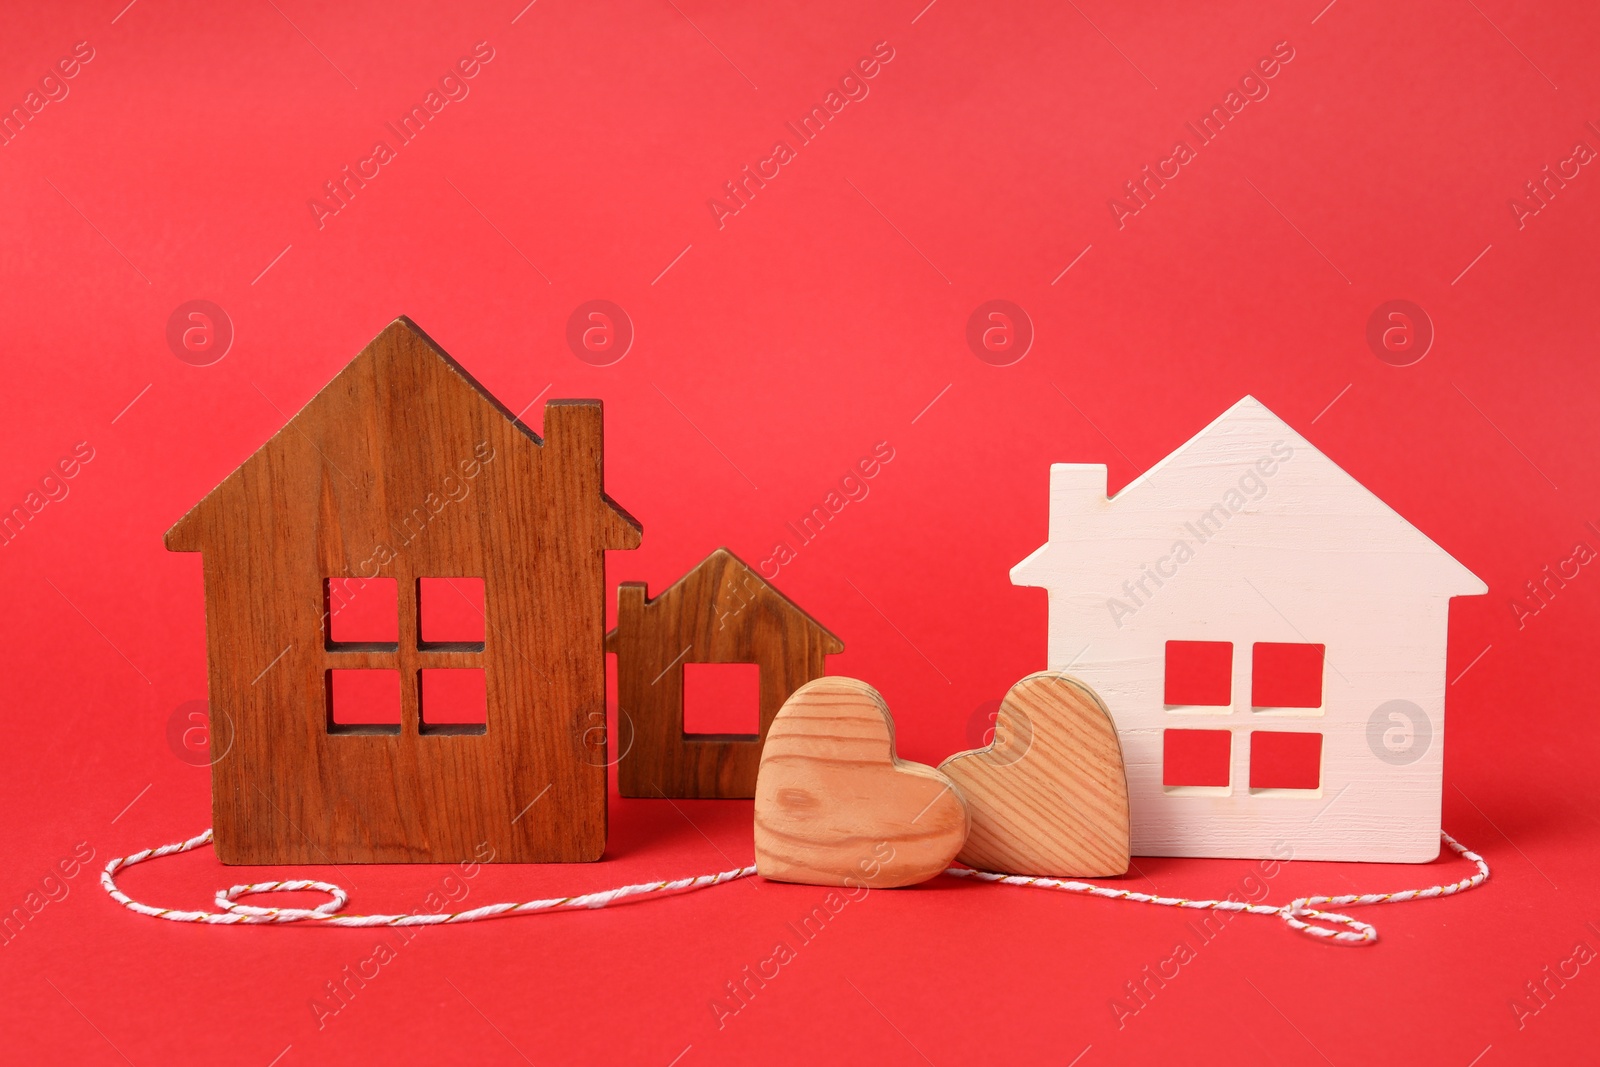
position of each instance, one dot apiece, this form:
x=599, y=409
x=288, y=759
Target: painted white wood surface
x=1280, y=544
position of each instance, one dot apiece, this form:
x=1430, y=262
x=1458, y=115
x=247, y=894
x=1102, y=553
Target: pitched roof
x=402, y=341
x=1233, y=441
x=722, y=557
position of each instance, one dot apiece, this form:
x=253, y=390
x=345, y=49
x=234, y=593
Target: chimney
x=1076, y=489
x=572, y=431
x=630, y=609
x=573, y=426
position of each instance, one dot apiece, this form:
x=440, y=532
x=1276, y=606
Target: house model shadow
x=722, y=611
x=404, y=469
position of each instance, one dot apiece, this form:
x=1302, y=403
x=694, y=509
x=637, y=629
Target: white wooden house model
x=1269, y=637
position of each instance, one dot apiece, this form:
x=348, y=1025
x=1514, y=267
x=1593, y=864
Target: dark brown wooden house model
x=405, y=470
x=722, y=611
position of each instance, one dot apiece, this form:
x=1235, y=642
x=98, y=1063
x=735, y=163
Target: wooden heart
x=1049, y=796
x=835, y=806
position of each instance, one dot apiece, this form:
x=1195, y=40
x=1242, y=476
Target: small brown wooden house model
x=405, y=469
x=722, y=611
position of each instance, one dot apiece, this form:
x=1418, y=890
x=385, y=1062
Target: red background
x=821, y=319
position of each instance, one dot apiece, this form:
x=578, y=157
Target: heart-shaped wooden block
x=835, y=806
x=1049, y=796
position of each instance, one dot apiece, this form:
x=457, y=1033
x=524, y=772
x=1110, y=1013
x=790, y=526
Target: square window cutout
x=722, y=699
x=1283, y=760
x=1286, y=675
x=453, y=701
x=361, y=611
x=363, y=702
x=450, y=611
x=1196, y=758
x=1199, y=673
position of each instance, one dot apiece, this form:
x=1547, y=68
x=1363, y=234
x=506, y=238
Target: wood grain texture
x=403, y=467
x=836, y=806
x=1247, y=533
x=1048, y=796
x=722, y=611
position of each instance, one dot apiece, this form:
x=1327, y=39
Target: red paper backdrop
x=771, y=349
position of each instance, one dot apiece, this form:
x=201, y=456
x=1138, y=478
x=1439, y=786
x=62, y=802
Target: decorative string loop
x=226, y=898
x=1303, y=915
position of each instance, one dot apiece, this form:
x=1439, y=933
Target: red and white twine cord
x=1302, y=914
x=327, y=913
x=1295, y=913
